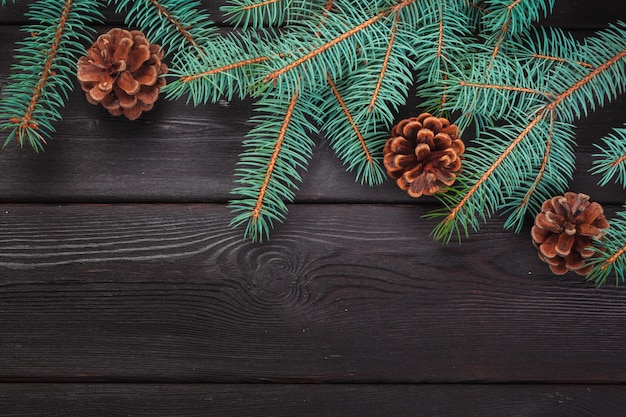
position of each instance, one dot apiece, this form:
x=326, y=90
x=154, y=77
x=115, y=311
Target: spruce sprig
x=610, y=162
x=610, y=252
x=174, y=24
x=226, y=69
x=43, y=74
x=257, y=14
x=570, y=93
x=275, y=150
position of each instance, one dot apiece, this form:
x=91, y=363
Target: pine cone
x=122, y=72
x=423, y=154
x=565, y=230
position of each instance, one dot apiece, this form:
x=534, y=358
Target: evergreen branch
x=342, y=128
x=565, y=106
x=360, y=109
x=25, y=122
x=610, y=253
x=503, y=87
x=173, y=24
x=260, y=4
x=510, y=89
x=260, y=13
x=519, y=209
x=580, y=93
x=561, y=60
x=245, y=13
x=477, y=6
x=552, y=176
x=256, y=211
x=30, y=104
x=224, y=70
x=385, y=63
x=443, y=42
x=482, y=196
x=316, y=52
x=274, y=151
x=550, y=44
x=611, y=161
x=313, y=58
x=507, y=18
x=357, y=131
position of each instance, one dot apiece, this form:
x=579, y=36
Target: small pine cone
x=423, y=154
x=565, y=230
x=122, y=72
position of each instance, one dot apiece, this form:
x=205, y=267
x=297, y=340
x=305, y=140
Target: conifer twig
x=30, y=103
x=444, y=229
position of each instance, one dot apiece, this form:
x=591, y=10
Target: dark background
x=123, y=291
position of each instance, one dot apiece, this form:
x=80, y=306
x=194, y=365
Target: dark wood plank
x=94, y=400
x=342, y=293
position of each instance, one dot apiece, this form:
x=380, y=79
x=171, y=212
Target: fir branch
x=548, y=43
x=263, y=13
x=560, y=60
x=611, y=161
x=40, y=84
x=274, y=151
x=357, y=147
x=552, y=176
x=360, y=109
x=226, y=69
x=274, y=75
x=510, y=89
x=174, y=24
x=511, y=17
x=336, y=49
x=487, y=178
x=385, y=63
x=480, y=196
x=610, y=253
x=503, y=87
x=442, y=44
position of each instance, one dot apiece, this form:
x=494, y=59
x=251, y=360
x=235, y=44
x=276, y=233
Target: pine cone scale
x=126, y=82
x=98, y=93
x=564, y=244
x=147, y=76
x=137, y=57
x=88, y=73
x=126, y=101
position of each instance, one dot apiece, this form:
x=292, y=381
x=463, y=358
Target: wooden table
x=123, y=291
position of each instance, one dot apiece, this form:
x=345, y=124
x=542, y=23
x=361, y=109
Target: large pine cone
x=423, y=154
x=565, y=230
x=122, y=72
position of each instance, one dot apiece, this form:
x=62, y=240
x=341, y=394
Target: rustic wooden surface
x=123, y=291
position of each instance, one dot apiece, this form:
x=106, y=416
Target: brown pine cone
x=122, y=72
x=423, y=154
x=565, y=230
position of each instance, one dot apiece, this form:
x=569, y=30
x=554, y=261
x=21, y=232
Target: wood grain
x=94, y=400
x=342, y=293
